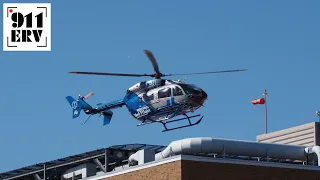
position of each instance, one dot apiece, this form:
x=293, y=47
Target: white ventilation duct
x=142, y=156
x=314, y=150
x=234, y=147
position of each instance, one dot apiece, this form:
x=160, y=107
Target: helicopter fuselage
x=160, y=99
x=156, y=100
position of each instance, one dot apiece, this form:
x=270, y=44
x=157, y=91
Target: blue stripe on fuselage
x=172, y=101
x=169, y=103
x=132, y=102
x=111, y=105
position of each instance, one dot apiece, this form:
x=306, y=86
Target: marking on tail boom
x=74, y=105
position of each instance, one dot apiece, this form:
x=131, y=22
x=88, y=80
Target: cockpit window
x=166, y=92
x=189, y=89
x=176, y=91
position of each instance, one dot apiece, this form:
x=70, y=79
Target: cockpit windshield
x=190, y=89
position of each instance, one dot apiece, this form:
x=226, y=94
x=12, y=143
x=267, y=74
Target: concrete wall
x=304, y=135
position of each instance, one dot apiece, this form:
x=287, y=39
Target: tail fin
x=107, y=115
x=76, y=106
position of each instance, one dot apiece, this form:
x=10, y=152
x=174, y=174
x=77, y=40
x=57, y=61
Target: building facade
x=184, y=167
x=303, y=135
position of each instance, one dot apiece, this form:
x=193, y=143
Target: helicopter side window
x=188, y=89
x=163, y=93
x=177, y=91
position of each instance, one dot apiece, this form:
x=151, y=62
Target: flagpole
x=265, y=112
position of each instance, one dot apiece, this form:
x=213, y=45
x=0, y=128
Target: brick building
x=184, y=167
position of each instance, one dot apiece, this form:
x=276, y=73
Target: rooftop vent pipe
x=232, y=147
x=314, y=150
x=191, y=146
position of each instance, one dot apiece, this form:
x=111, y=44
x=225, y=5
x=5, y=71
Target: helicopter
x=155, y=100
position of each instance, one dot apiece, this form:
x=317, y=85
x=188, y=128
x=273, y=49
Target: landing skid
x=164, y=123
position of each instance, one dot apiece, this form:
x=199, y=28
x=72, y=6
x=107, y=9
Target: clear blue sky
x=278, y=41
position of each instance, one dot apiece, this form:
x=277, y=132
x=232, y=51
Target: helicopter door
x=177, y=94
x=164, y=97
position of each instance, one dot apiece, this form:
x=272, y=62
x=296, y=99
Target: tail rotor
x=88, y=95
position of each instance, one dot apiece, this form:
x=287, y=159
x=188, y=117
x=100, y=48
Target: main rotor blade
x=237, y=70
x=111, y=74
x=153, y=61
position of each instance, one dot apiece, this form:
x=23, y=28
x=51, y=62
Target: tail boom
x=102, y=108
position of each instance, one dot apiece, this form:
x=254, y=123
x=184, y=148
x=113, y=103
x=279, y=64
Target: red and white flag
x=260, y=100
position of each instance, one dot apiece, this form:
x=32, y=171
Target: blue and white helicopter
x=153, y=101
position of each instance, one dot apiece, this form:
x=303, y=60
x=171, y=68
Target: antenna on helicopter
x=182, y=80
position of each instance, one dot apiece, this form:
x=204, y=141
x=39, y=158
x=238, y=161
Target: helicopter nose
x=199, y=97
x=204, y=95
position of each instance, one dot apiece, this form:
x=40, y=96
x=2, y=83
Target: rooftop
x=114, y=155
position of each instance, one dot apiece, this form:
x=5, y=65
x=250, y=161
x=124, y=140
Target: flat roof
x=74, y=160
